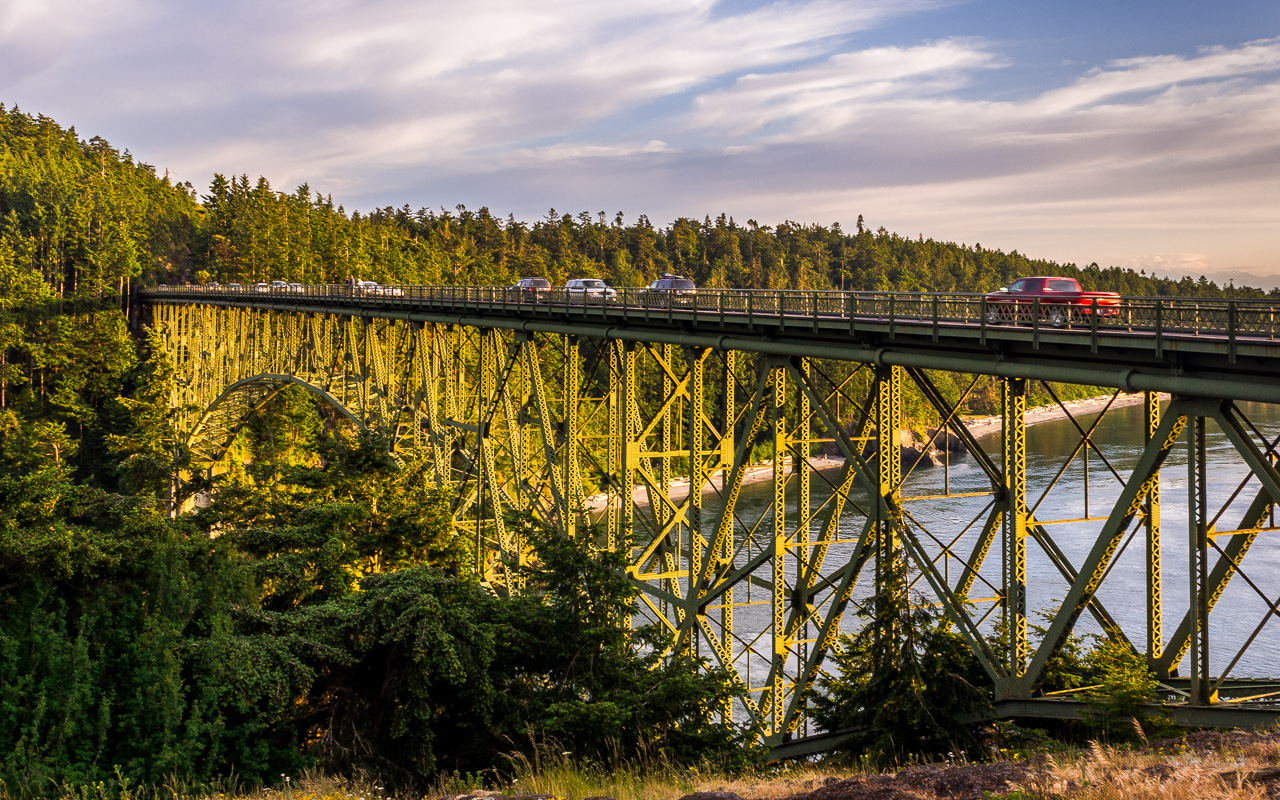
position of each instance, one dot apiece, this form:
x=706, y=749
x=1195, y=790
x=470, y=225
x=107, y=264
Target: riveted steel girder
x=757, y=484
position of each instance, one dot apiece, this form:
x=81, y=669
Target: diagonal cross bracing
x=657, y=434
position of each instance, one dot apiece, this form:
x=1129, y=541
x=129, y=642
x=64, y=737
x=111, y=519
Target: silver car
x=589, y=290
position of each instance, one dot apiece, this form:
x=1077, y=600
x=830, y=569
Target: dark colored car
x=1061, y=301
x=675, y=290
x=530, y=290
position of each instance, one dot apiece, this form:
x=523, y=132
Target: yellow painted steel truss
x=655, y=446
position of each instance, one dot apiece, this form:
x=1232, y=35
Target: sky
x=1137, y=134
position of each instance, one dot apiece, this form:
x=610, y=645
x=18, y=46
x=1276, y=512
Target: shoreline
x=980, y=427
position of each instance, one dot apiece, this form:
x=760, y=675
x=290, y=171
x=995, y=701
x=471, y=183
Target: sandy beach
x=980, y=427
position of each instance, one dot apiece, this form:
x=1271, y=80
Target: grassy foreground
x=1205, y=765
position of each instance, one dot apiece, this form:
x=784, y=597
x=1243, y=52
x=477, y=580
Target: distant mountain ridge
x=1238, y=277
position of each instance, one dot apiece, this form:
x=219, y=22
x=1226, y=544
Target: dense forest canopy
x=318, y=610
x=249, y=232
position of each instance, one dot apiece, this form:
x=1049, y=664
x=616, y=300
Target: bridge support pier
x=1198, y=561
x=1151, y=525
x=1014, y=440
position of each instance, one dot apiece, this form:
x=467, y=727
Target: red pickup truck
x=1061, y=302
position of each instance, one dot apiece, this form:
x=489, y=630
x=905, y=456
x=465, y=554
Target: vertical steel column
x=668, y=435
x=452, y=340
x=521, y=445
x=617, y=441
x=778, y=409
x=727, y=450
x=483, y=455
x=572, y=482
x=630, y=451
x=1198, y=560
x=801, y=444
x=670, y=548
x=1014, y=409
x=888, y=418
x=1151, y=514
x=695, y=439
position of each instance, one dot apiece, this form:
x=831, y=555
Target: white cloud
x=818, y=98
x=335, y=92
x=673, y=107
x=34, y=34
x=1155, y=73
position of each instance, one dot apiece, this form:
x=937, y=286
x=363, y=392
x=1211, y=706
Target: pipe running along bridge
x=650, y=412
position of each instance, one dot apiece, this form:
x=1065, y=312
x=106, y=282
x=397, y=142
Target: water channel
x=1242, y=611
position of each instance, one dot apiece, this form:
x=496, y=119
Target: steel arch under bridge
x=651, y=415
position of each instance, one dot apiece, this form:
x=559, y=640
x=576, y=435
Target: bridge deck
x=511, y=421
x=1216, y=348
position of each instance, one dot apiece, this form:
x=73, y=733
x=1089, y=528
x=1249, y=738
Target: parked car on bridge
x=297, y=288
x=365, y=287
x=1061, y=301
x=589, y=290
x=277, y=286
x=675, y=290
x=234, y=286
x=261, y=287
x=530, y=290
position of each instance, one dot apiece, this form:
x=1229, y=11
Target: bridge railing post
x=1233, y=322
x=1093, y=325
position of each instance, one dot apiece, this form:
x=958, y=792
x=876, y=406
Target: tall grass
x=1208, y=766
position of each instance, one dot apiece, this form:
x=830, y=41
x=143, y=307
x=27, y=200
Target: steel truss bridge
x=652, y=413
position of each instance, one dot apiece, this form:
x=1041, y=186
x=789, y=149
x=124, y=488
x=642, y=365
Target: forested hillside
x=250, y=232
x=318, y=612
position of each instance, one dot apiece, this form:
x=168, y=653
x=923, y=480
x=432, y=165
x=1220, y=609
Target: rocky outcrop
x=946, y=442
x=925, y=451
x=912, y=450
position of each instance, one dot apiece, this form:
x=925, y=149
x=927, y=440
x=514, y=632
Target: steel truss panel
x=654, y=439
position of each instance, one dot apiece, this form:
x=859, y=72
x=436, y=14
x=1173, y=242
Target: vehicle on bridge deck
x=589, y=290
x=530, y=290
x=1058, y=301
x=675, y=290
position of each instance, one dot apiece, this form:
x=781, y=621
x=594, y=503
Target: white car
x=589, y=290
x=261, y=287
x=278, y=286
x=365, y=287
x=297, y=288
